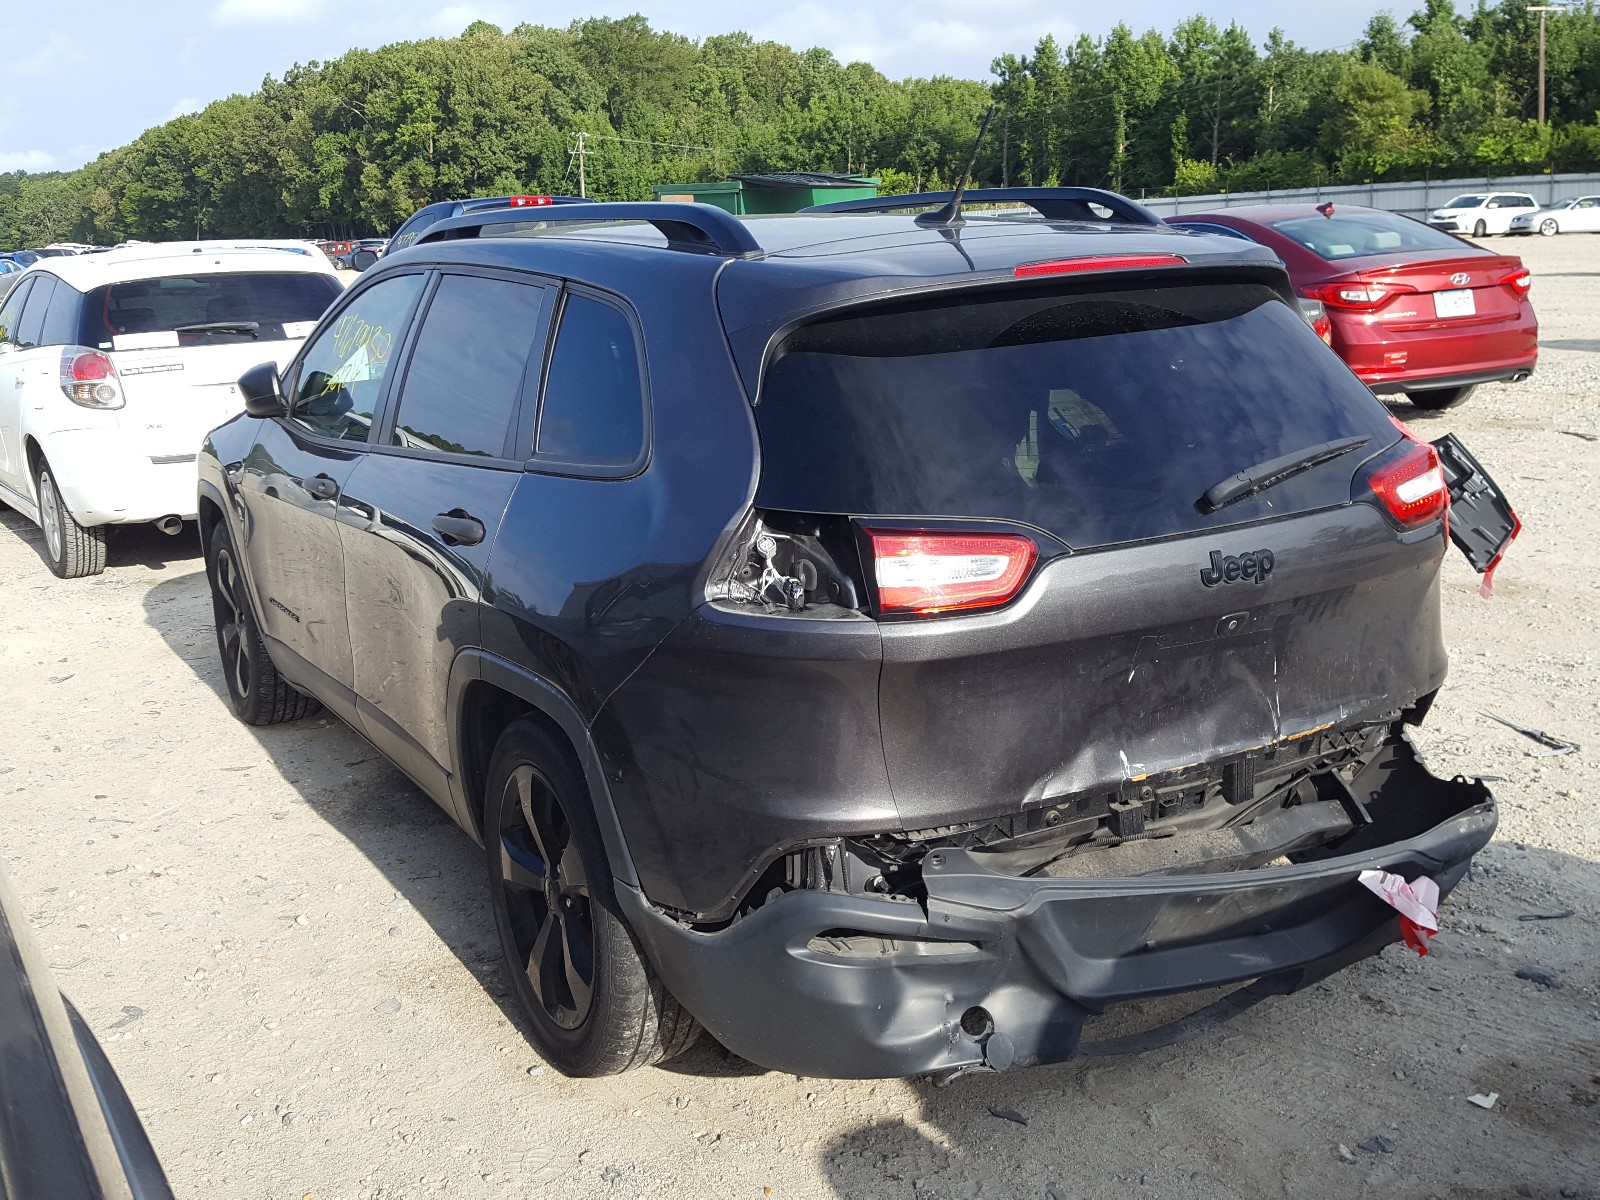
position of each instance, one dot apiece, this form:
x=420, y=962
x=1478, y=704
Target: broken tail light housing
x=1412, y=489
x=1519, y=281
x=942, y=572
x=89, y=378
x=1358, y=296
x=1317, y=317
x=1099, y=262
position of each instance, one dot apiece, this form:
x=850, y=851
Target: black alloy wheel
x=594, y=1005
x=547, y=898
x=257, y=694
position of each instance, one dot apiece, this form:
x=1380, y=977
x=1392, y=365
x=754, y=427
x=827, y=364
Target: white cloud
x=945, y=37
x=453, y=18
x=26, y=160
x=189, y=104
x=266, y=12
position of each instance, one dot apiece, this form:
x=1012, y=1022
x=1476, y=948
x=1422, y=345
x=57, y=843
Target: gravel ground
x=285, y=949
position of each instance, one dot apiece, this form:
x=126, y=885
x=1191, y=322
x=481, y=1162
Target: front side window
x=468, y=368
x=344, y=368
x=593, y=405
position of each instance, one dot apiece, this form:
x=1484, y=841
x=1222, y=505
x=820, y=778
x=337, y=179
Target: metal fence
x=1413, y=199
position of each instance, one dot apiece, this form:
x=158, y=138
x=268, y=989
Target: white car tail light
x=89, y=378
x=938, y=572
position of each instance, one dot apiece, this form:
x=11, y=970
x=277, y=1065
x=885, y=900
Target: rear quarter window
x=1101, y=417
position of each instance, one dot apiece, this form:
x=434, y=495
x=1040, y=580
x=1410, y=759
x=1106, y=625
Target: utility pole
x=579, y=154
x=1543, y=10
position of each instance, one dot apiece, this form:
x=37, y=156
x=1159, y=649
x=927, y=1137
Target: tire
x=257, y=694
x=593, y=1003
x=1440, y=398
x=1548, y=227
x=1479, y=229
x=72, y=550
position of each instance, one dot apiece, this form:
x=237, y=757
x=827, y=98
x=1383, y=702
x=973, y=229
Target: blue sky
x=81, y=77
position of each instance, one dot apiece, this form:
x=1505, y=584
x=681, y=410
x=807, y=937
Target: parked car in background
x=10, y=268
x=1481, y=213
x=1581, y=214
x=1413, y=310
x=70, y=1132
x=444, y=209
x=1044, y=638
x=113, y=366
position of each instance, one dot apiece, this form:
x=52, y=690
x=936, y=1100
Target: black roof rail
x=1052, y=203
x=699, y=228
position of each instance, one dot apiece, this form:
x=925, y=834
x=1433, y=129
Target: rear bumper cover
x=1041, y=955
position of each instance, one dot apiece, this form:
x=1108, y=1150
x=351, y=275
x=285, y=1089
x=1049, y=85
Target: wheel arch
x=486, y=694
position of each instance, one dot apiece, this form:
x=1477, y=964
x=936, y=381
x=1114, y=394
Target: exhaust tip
x=171, y=526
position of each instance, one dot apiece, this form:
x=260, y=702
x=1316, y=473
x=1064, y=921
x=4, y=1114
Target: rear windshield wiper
x=250, y=327
x=1274, y=471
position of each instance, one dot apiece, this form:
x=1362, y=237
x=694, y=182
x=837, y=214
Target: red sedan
x=1410, y=309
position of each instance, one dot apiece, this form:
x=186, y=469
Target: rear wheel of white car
x=1548, y=227
x=72, y=550
x=1439, y=398
x=256, y=692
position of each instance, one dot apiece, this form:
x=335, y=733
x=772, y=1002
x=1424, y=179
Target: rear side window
x=30, y=328
x=469, y=365
x=200, y=310
x=1100, y=417
x=593, y=406
x=11, y=310
x=1356, y=235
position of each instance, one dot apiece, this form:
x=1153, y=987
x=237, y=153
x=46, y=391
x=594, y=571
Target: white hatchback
x=1480, y=213
x=114, y=366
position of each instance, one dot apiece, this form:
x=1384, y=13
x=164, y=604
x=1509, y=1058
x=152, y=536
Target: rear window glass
x=208, y=309
x=1099, y=417
x=1357, y=235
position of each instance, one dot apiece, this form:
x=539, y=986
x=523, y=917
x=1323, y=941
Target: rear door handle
x=322, y=487
x=459, y=528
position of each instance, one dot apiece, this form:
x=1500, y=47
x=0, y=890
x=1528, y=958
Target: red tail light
x=530, y=201
x=1366, y=297
x=1413, y=489
x=1519, y=281
x=938, y=572
x=89, y=378
x=1099, y=262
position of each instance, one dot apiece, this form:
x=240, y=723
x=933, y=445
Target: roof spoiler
x=1051, y=203
x=696, y=228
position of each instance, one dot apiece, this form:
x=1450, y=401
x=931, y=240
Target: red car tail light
x=1099, y=262
x=1366, y=297
x=938, y=572
x=1519, y=281
x=89, y=378
x=1413, y=489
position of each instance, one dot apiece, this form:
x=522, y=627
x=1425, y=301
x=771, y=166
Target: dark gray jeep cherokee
x=884, y=640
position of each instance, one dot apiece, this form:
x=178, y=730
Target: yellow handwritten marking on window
x=363, y=346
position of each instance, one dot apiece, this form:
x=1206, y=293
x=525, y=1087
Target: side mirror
x=362, y=259
x=263, y=392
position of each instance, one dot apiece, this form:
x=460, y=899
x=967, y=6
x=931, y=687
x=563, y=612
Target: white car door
x=13, y=366
x=1583, y=217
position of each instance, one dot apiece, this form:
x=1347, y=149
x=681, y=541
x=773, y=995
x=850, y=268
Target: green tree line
x=359, y=143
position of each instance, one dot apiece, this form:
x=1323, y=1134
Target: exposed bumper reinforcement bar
x=1003, y=970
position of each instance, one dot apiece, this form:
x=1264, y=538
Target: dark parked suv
x=883, y=640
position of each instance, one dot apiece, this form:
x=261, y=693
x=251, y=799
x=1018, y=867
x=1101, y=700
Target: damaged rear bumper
x=1002, y=970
